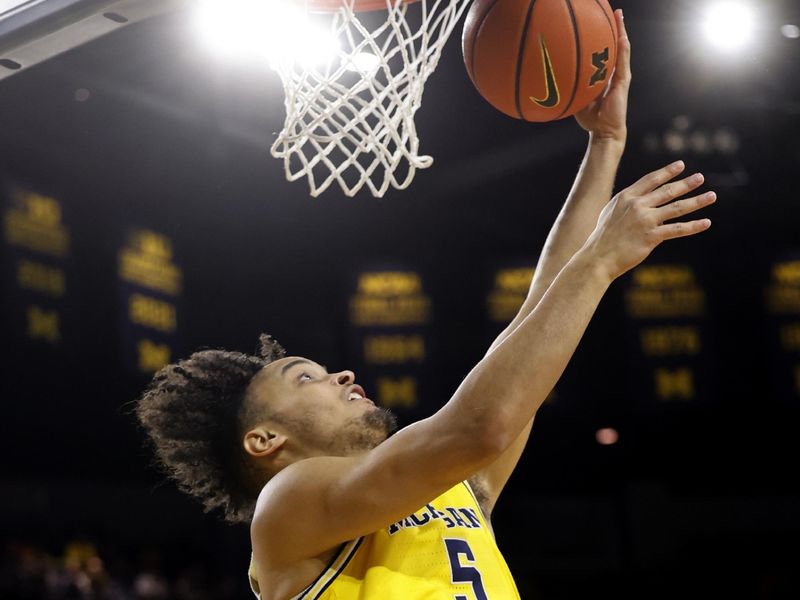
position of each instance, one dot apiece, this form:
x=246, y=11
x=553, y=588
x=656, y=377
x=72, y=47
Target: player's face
x=327, y=413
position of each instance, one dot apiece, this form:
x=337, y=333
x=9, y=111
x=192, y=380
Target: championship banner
x=37, y=243
x=389, y=318
x=667, y=307
x=782, y=304
x=150, y=288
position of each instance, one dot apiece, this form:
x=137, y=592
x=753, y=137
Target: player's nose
x=344, y=377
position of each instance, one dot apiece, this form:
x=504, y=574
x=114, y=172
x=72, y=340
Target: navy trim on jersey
x=321, y=575
x=303, y=595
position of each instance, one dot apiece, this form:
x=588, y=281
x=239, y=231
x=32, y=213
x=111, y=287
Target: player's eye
x=303, y=377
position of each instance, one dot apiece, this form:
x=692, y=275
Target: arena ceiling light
x=729, y=25
x=791, y=31
x=263, y=30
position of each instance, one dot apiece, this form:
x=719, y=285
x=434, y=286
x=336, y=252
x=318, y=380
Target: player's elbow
x=495, y=438
x=486, y=440
x=486, y=430
x=476, y=443
x=504, y=423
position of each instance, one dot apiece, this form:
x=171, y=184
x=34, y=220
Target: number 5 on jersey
x=464, y=573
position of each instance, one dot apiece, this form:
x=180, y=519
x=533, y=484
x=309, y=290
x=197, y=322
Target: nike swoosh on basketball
x=553, y=98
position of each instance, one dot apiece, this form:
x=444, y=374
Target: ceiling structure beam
x=34, y=31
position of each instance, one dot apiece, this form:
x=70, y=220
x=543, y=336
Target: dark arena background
x=144, y=218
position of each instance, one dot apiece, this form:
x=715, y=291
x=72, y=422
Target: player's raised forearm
x=507, y=387
x=590, y=193
x=578, y=217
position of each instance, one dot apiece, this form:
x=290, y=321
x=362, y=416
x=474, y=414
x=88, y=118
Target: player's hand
x=605, y=118
x=633, y=223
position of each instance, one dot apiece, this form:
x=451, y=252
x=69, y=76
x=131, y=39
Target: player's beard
x=365, y=432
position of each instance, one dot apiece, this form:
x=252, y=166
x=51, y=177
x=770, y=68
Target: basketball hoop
x=350, y=121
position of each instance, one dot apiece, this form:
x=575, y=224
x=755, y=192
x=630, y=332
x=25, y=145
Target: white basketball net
x=350, y=121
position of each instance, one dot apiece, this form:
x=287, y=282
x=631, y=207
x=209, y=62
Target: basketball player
x=337, y=508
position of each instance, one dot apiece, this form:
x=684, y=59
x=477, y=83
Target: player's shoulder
x=299, y=478
x=291, y=507
x=298, y=488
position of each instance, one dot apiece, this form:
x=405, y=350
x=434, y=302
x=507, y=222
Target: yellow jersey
x=444, y=551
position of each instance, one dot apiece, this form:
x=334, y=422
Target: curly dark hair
x=193, y=415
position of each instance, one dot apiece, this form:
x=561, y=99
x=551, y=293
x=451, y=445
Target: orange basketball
x=540, y=60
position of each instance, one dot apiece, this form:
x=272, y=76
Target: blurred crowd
x=81, y=571
x=86, y=570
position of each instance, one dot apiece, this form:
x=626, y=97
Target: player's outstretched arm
x=605, y=121
x=318, y=503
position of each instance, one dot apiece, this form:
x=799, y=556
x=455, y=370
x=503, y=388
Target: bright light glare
x=729, y=25
x=791, y=31
x=272, y=30
x=363, y=62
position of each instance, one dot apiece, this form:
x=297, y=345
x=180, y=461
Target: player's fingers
x=623, y=66
x=681, y=208
x=679, y=230
x=674, y=189
x=655, y=179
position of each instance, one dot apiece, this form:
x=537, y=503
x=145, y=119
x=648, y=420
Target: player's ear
x=260, y=442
